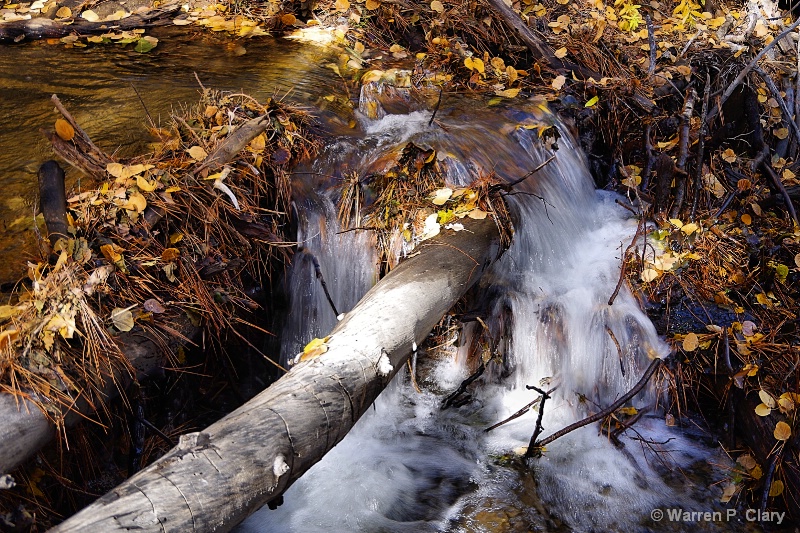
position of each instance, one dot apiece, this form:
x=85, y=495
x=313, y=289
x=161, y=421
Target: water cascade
x=410, y=466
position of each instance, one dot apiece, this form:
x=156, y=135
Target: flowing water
x=410, y=466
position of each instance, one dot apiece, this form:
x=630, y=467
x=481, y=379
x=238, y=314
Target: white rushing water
x=408, y=465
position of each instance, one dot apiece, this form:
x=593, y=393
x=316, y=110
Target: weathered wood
x=24, y=428
x=53, y=200
x=215, y=478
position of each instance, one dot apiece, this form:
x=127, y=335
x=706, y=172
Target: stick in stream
x=639, y=229
x=538, y=430
x=654, y=365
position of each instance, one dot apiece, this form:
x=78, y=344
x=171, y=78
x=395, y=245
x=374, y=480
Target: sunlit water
x=410, y=466
x=96, y=84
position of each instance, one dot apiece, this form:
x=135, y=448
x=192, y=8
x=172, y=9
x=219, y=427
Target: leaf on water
x=145, y=44
x=64, y=129
x=763, y=410
x=690, y=342
x=592, y=101
x=90, y=15
x=440, y=196
x=728, y=492
x=558, y=82
x=782, y=431
x=153, y=306
x=122, y=319
x=197, y=153
x=437, y=6
x=776, y=489
x=561, y=52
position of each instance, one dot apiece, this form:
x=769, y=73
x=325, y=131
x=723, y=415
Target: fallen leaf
x=776, y=489
x=342, y=5
x=558, y=82
x=747, y=461
x=782, y=431
x=122, y=319
x=372, y=4
x=288, y=19
x=437, y=6
x=144, y=184
x=729, y=156
x=90, y=15
x=508, y=93
x=649, y=274
x=561, y=52
x=477, y=214
x=197, y=153
x=440, y=196
x=63, y=12
x=170, y=254
x=690, y=342
x=763, y=410
x=64, y=129
x=592, y=101
x=153, y=306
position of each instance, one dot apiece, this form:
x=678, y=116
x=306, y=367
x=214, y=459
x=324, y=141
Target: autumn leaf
x=197, y=153
x=170, y=254
x=90, y=15
x=729, y=156
x=288, y=19
x=64, y=129
x=776, y=488
x=592, y=101
x=558, y=82
x=649, y=274
x=144, y=184
x=372, y=4
x=122, y=319
x=561, y=52
x=508, y=93
x=763, y=410
x=314, y=349
x=690, y=342
x=342, y=5
x=437, y=6
x=440, y=196
x=782, y=431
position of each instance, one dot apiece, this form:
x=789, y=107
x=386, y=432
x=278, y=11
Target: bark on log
x=215, y=478
x=24, y=429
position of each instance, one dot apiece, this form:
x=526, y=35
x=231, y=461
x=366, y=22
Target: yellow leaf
x=747, y=219
x=676, y=222
x=762, y=299
x=649, y=274
x=785, y=403
x=558, y=82
x=64, y=129
x=170, y=254
x=767, y=398
x=776, y=489
x=440, y=196
x=561, y=52
x=508, y=93
x=763, y=410
x=511, y=72
x=136, y=202
x=782, y=431
x=729, y=156
x=122, y=319
x=372, y=4
x=468, y=63
x=175, y=238
x=111, y=252
x=592, y=101
x=359, y=48
x=7, y=311
x=781, y=133
x=628, y=411
x=395, y=48
x=314, y=349
x=747, y=461
x=690, y=342
x=477, y=214
x=437, y=6
x=689, y=228
x=197, y=153
x=478, y=65
x=90, y=15
x=258, y=144
x=144, y=184
x=7, y=337
x=342, y=5
x=63, y=12
x=288, y=19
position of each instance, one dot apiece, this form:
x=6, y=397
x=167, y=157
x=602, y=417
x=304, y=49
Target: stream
x=408, y=465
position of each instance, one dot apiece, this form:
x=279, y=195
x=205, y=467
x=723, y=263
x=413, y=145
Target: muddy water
x=97, y=85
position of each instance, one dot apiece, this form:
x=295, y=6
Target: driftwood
x=53, y=200
x=215, y=478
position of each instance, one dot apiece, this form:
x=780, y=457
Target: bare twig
x=436, y=107
x=619, y=349
x=450, y=400
x=651, y=39
x=701, y=144
x=639, y=229
x=654, y=365
x=538, y=430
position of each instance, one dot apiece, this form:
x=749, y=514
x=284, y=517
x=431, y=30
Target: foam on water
x=410, y=466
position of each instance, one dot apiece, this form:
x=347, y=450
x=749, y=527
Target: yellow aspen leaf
x=314, y=349
x=782, y=431
x=728, y=492
x=477, y=214
x=111, y=252
x=372, y=5
x=628, y=411
x=468, y=63
x=766, y=398
x=395, y=48
x=170, y=254
x=197, y=153
x=64, y=129
x=175, y=238
x=689, y=228
x=729, y=156
x=649, y=274
x=437, y=6
x=7, y=337
x=90, y=15
x=122, y=319
x=592, y=101
x=558, y=82
x=785, y=403
x=762, y=299
x=781, y=133
x=258, y=144
x=144, y=184
x=136, y=202
x=63, y=12
x=440, y=196
x=288, y=19
x=690, y=342
x=747, y=219
x=511, y=72
x=342, y=5
x=776, y=489
x=478, y=65
x=763, y=410
x=797, y=260
x=508, y=93
x=359, y=48
x=561, y=52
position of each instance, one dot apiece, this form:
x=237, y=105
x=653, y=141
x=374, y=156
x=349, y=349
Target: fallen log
x=215, y=478
x=24, y=428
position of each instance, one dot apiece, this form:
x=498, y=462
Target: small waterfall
x=408, y=465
